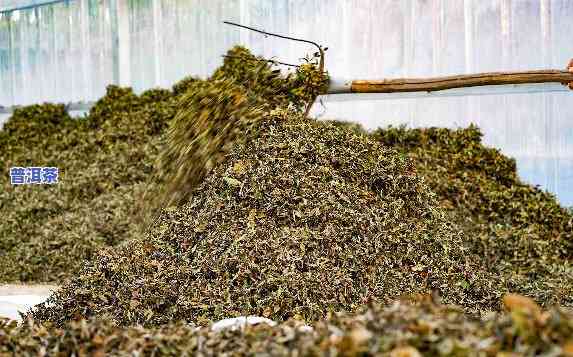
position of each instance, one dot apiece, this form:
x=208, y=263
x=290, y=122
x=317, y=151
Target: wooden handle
x=570, y=69
x=451, y=82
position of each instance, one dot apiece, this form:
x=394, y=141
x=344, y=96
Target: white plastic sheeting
x=70, y=51
x=238, y=323
x=16, y=299
x=11, y=306
x=62, y=52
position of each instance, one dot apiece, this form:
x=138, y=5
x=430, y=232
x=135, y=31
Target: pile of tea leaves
x=521, y=232
x=260, y=210
x=104, y=160
x=219, y=113
x=403, y=328
x=295, y=218
x=301, y=219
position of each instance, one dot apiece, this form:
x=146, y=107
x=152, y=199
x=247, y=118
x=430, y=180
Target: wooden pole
x=570, y=69
x=472, y=80
x=450, y=82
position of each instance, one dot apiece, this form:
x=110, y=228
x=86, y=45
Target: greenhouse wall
x=68, y=51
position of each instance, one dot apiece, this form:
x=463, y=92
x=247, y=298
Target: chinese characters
x=33, y=175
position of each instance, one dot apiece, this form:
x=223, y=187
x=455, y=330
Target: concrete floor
x=20, y=298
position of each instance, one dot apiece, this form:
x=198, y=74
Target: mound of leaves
x=404, y=328
x=301, y=219
x=104, y=160
x=521, y=232
x=219, y=113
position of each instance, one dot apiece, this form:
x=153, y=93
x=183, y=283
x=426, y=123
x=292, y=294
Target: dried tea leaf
x=374, y=330
x=104, y=161
x=517, y=230
x=295, y=239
